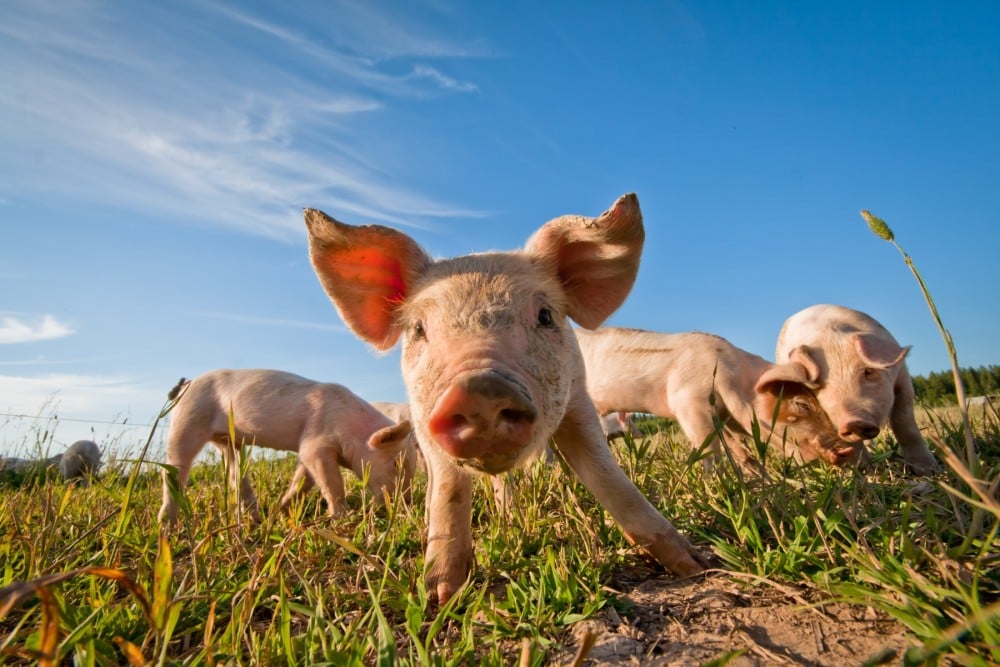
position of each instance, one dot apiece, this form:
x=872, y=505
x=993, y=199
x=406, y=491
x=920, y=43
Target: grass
x=89, y=579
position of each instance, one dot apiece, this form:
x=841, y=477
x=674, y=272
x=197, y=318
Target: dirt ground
x=693, y=622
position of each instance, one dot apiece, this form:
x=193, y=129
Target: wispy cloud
x=15, y=330
x=74, y=394
x=42, y=360
x=446, y=82
x=373, y=32
x=220, y=132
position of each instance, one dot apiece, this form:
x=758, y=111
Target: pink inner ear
x=382, y=271
x=366, y=271
x=367, y=286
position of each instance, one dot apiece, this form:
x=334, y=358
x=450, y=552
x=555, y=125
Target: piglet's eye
x=545, y=318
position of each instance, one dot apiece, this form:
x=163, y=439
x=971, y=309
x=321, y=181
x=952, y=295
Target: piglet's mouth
x=841, y=456
x=842, y=453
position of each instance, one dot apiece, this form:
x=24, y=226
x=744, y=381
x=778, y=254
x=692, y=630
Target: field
x=814, y=567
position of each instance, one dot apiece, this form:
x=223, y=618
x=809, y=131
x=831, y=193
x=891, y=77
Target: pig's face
x=857, y=375
x=785, y=394
x=390, y=456
x=811, y=430
x=617, y=424
x=486, y=357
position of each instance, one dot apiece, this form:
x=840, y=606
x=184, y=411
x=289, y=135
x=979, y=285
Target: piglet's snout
x=481, y=413
x=856, y=431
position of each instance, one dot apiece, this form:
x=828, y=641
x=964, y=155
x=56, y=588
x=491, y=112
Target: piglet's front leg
x=449, y=556
x=581, y=442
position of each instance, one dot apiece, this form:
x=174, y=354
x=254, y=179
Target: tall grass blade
x=882, y=230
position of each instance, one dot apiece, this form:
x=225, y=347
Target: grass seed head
x=877, y=225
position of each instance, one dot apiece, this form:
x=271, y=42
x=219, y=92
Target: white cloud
x=75, y=406
x=189, y=135
x=77, y=394
x=444, y=81
x=14, y=330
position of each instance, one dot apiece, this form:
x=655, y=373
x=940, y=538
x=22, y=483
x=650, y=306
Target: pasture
x=815, y=566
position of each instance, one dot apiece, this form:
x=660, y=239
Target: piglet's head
x=858, y=377
x=488, y=357
x=785, y=393
x=392, y=457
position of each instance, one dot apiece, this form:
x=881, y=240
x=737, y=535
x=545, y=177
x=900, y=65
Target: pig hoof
x=443, y=593
x=695, y=565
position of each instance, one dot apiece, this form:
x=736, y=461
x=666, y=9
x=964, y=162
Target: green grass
x=90, y=579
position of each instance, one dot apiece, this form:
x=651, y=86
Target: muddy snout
x=483, y=415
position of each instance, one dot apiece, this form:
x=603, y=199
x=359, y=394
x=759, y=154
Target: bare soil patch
x=661, y=621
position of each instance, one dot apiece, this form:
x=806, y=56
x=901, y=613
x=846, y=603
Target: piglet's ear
x=390, y=436
x=807, y=359
x=366, y=271
x=783, y=378
x=879, y=352
x=596, y=259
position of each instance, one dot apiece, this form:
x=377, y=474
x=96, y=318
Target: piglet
x=491, y=364
x=327, y=424
x=860, y=371
x=675, y=376
x=618, y=424
x=81, y=459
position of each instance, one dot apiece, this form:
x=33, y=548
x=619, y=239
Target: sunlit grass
x=302, y=588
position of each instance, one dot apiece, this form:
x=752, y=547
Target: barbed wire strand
x=73, y=419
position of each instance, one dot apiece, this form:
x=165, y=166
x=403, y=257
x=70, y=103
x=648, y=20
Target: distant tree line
x=939, y=388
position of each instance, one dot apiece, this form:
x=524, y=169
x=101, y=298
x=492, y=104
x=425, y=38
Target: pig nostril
x=515, y=416
x=860, y=430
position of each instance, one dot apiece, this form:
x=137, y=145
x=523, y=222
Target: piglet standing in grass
x=327, y=424
x=491, y=364
x=861, y=375
x=676, y=375
x=81, y=460
x=618, y=424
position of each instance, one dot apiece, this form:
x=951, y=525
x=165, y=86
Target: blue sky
x=155, y=159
